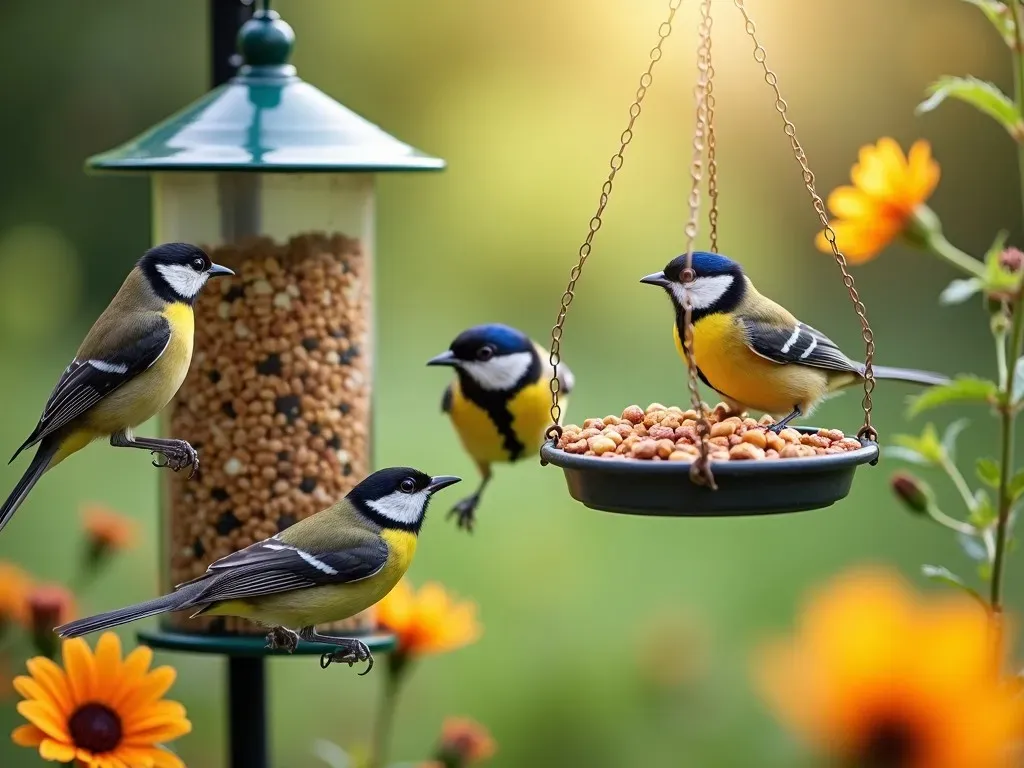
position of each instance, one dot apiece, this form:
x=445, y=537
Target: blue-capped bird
x=500, y=401
x=752, y=351
x=127, y=369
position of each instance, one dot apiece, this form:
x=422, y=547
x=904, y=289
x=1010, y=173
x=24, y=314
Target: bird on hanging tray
x=325, y=568
x=500, y=400
x=127, y=369
x=752, y=351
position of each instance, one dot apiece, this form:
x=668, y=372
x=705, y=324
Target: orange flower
x=428, y=622
x=100, y=710
x=887, y=198
x=49, y=606
x=15, y=585
x=464, y=742
x=878, y=677
x=107, y=530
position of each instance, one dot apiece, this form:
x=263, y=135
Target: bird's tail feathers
x=911, y=375
x=39, y=465
x=174, y=601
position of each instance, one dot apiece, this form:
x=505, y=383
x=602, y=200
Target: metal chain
x=700, y=469
x=555, y=430
x=712, y=163
x=760, y=56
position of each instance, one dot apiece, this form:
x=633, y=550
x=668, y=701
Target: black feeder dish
x=663, y=488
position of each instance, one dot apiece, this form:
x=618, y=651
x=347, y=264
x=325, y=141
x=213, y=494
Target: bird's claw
x=156, y=461
x=282, y=639
x=177, y=456
x=464, y=512
x=355, y=651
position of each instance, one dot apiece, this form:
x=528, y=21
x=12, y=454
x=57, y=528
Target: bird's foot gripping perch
x=465, y=512
x=177, y=455
x=350, y=650
x=282, y=639
x=780, y=425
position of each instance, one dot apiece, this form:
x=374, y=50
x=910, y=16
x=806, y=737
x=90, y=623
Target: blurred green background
x=525, y=101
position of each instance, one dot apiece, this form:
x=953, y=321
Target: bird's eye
x=407, y=486
x=687, y=276
x=485, y=353
x=197, y=265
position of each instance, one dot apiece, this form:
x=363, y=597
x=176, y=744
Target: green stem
x=951, y=522
x=1001, y=358
x=386, y=713
x=958, y=480
x=1008, y=416
x=941, y=247
x=1017, y=53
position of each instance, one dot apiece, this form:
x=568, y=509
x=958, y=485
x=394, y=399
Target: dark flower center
x=891, y=744
x=95, y=727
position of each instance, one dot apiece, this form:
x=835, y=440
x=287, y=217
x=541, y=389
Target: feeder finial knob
x=266, y=40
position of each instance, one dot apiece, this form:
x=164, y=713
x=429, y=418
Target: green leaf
x=927, y=446
x=1018, y=381
x=1017, y=485
x=961, y=389
x=959, y=291
x=941, y=575
x=999, y=15
x=332, y=754
x=980, y=94
x=988, y=472
x=902, y=453
x=950, y=436
x=985, y=571
x=984, y=513
x=973, y=547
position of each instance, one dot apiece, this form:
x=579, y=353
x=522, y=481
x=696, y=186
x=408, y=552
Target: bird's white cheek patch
x=406, y=508
x=183, y=280
x=704, y=291
x=499, y=373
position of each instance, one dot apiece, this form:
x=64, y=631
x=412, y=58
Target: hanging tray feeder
x=814, y=468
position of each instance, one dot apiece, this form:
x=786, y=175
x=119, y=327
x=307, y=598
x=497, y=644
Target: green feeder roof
x=266, y=119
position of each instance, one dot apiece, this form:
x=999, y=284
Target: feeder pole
x=247, y=675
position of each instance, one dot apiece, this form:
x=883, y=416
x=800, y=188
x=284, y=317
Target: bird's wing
x=272, y=566
x=87, y=380
x=446, y=400
x=566, y=381
x=799, y=343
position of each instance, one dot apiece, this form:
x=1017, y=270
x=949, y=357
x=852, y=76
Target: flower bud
x=49, y=606
x=1011, y=259
x=107, y=532
x=464, y=742
x=912, y=491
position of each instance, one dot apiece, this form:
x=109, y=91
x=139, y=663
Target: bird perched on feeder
x=127, y=369
x=752, y=351
x=328, y=567
x=500, y=401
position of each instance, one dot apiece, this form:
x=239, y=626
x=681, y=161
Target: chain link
x=712, y=162
x=555, y=430
x=760, y=56
x=700, y=468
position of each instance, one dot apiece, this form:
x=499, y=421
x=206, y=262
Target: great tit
x=131, y=363
x=753, y=352
x=324, y=568
x=500, y=400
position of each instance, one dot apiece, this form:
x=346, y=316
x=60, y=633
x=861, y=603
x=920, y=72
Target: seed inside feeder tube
x=669, y=433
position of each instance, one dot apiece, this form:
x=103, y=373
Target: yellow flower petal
x=53, y=680
x=27, y=736
x=46, y=717
x=108, y=664
x=922, y=172
x=81, y=668
x=165, y=730
x=851, y=203
x=60, y=752
x=149, y=689
x=165, y=759
x=133, y=670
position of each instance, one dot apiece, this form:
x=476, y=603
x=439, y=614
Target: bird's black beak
x=442, y=481
x=445, y=358
x=216, y=270
x=658, y=278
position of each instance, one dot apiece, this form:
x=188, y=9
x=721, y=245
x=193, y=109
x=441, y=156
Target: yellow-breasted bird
x=752, y=351
x=500, y=400
x=127, y=369
x=327, y=567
